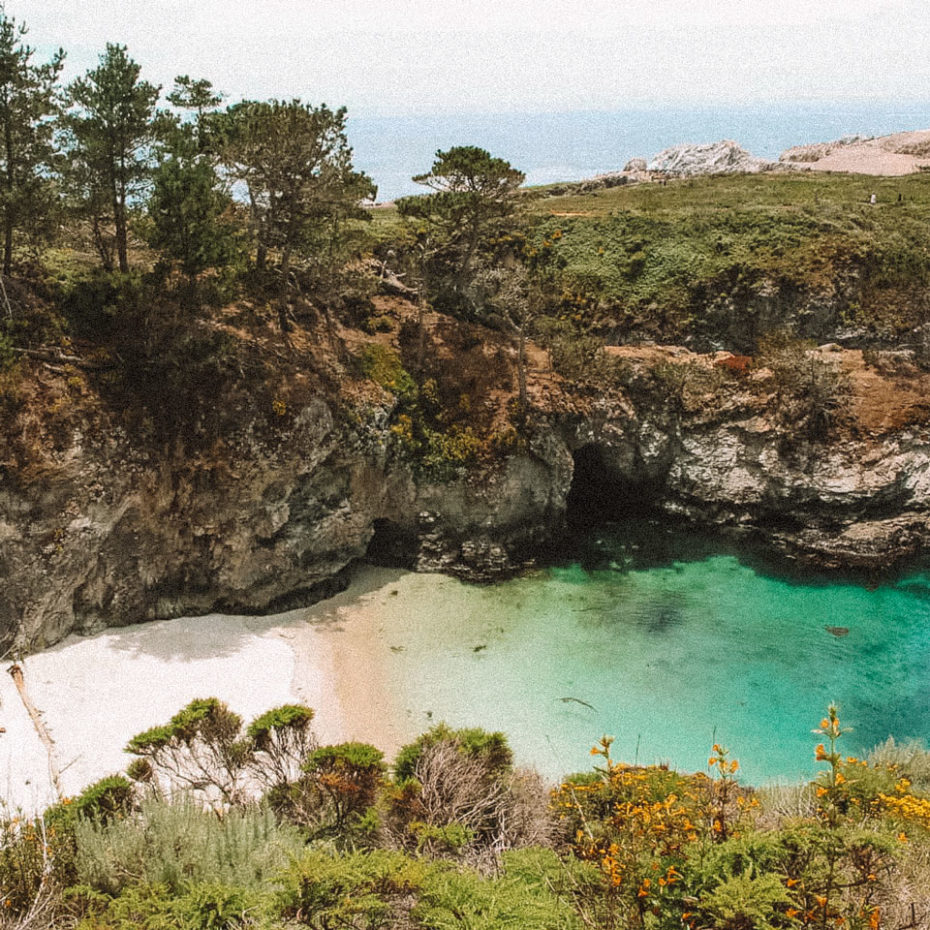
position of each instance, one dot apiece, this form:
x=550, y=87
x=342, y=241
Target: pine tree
x=296, y=164
x=474, y=195
x=28, y=105
x=111, y=129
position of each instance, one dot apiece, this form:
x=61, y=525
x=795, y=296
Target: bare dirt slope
x=897, y=154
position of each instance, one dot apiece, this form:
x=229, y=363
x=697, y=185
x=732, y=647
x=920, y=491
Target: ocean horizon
x=571, y=145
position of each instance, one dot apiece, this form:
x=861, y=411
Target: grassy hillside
x=722, y=260
x=679, y=260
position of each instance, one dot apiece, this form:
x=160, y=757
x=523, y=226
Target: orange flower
x=792, y=882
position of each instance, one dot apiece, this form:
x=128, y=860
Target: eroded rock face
x=118, y=536
x=115, y=537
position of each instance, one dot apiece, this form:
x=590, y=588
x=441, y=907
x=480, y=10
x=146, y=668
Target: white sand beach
x=94, y=693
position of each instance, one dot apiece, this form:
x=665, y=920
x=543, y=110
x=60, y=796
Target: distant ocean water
x=573, y=145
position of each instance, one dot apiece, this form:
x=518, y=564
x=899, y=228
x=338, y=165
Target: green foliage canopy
x=28, y=106
x=296, y=164
x=110, y=128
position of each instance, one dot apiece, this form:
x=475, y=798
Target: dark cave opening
x=601, y=493
x=391, y=545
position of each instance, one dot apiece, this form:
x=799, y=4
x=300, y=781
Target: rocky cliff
x=108, y=533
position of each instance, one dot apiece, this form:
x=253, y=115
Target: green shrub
x=104, y=800
x=24, y=860
x=491, y=748
x=199, y=749
x=93, y=302
x=280, y=741
x=757, y=901
x=347, y=777
x=384, y=367
x=206, y=905
x=521, y=896
x=371, y=890
x=172, y=843
x=456, y=794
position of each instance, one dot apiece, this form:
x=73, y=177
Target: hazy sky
x=407, y=56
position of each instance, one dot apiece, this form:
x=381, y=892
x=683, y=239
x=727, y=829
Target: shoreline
x=95, y=693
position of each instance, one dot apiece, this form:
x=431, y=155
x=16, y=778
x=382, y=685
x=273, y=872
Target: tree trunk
x=521, y=368
x=7, y=244
x=119, y=216
x=10, y=184
x=282, y=299
x=103, y=250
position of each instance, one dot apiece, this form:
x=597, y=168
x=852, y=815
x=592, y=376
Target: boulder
x=691, y=160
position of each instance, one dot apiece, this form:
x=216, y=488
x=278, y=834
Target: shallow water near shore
x=666, y=646
x=668, y=642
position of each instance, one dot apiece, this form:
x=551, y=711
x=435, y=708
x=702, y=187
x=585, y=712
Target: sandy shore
x=97, y=692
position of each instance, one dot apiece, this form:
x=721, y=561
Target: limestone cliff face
x=116, y=535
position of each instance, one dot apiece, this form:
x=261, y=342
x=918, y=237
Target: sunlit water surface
x=668, y=645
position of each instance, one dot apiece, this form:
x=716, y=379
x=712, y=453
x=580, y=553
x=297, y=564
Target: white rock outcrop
x=691, y=160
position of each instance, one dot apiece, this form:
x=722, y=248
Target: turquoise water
x=671, y=648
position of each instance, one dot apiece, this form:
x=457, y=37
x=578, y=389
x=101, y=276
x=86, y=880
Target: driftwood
x=16, y=673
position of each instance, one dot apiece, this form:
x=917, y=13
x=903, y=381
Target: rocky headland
x=893, y=155
x=101, y=529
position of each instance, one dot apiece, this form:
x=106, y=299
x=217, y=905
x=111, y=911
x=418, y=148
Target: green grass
x=790, y=191
x=689, y=258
